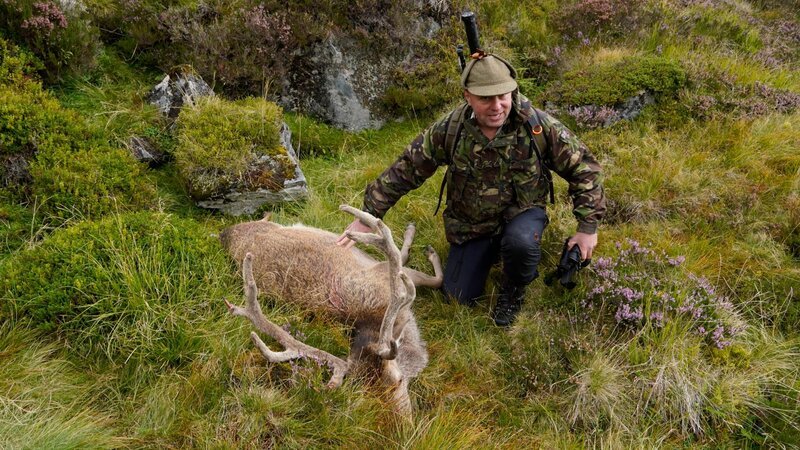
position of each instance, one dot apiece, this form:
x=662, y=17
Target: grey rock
x=341, y=85
x=145, y=151
x=177, y=90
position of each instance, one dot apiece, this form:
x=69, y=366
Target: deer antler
x=403, y=293
x=294, y=348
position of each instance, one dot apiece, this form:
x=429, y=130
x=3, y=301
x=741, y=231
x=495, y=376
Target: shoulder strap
x=455, y=122
x=538, y=145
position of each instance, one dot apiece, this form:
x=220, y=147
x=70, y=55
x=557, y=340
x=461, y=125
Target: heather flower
x=640, y=279
x=677, y=261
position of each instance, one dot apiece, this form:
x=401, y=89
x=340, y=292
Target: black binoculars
x=568, y=266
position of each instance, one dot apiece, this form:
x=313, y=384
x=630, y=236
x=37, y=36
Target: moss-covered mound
x=611, y=83
x=226, y=145
x=129, y=286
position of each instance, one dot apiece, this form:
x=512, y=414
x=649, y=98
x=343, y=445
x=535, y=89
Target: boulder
x=340, y=84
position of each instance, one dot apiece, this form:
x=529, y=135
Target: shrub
x=73, y=170
x=717, y=92
x=649, y=348
x=640, y=291
x=423, y=86
x=130, y=287
x=18, y=67
x=219, y=140
x=617, y=18
x=62, y=37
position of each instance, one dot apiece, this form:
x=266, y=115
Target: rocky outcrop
x=338, y=83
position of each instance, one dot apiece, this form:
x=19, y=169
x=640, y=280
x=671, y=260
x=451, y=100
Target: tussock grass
x=45, y=400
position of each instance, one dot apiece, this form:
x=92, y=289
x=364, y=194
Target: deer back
x=305, y=266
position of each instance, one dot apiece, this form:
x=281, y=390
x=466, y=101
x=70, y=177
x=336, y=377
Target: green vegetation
x=115, y=287
x=682, y=334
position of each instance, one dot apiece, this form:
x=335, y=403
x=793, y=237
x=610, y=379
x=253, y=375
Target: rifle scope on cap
x=473, y=41
x=471, y=27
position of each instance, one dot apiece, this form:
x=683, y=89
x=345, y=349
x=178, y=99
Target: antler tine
x=402, y=296
x=365, y=217
x=403, y=293
x=367, y=238
x=294, y=348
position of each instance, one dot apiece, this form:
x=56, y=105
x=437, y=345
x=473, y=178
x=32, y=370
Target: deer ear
x=267, y=217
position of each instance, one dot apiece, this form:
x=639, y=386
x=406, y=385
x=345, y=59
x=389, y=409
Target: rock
x=177, y=90
x=263, y=183
x=633, y=106
x=341, y=84
x=14, y=170
x=145, y=151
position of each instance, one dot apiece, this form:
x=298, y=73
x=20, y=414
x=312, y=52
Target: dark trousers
x=517, y=246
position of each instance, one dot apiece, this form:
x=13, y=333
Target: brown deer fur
x=303, y=265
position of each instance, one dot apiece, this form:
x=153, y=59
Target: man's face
x=490, y=112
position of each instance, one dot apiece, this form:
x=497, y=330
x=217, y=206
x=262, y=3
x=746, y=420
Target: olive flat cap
x=489, y=76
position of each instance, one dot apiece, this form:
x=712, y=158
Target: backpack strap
x=455, y=123
x=538, y=145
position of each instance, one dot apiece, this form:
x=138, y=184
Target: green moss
x=220, y=140
x=614, y=82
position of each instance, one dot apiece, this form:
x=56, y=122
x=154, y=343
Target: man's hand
x=356, y=226
x=586, y=242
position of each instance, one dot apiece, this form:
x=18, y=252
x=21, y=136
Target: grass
x=170, y=369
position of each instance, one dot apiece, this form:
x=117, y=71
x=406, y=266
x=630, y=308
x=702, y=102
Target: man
x=498, y=150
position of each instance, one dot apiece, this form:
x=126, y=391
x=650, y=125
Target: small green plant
x=17, y=66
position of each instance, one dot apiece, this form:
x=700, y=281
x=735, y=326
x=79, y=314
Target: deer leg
x=408, y=237
x=423, y=279
x=294, y=348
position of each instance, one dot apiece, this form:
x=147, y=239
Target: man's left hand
x=586, y=242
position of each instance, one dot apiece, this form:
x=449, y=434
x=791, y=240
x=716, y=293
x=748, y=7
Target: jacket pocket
x=530, y=185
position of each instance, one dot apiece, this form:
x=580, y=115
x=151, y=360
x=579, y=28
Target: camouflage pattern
x=490, y=182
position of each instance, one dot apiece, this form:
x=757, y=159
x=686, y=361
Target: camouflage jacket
x=491, y=181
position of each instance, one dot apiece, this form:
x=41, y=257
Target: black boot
x=509, y=302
